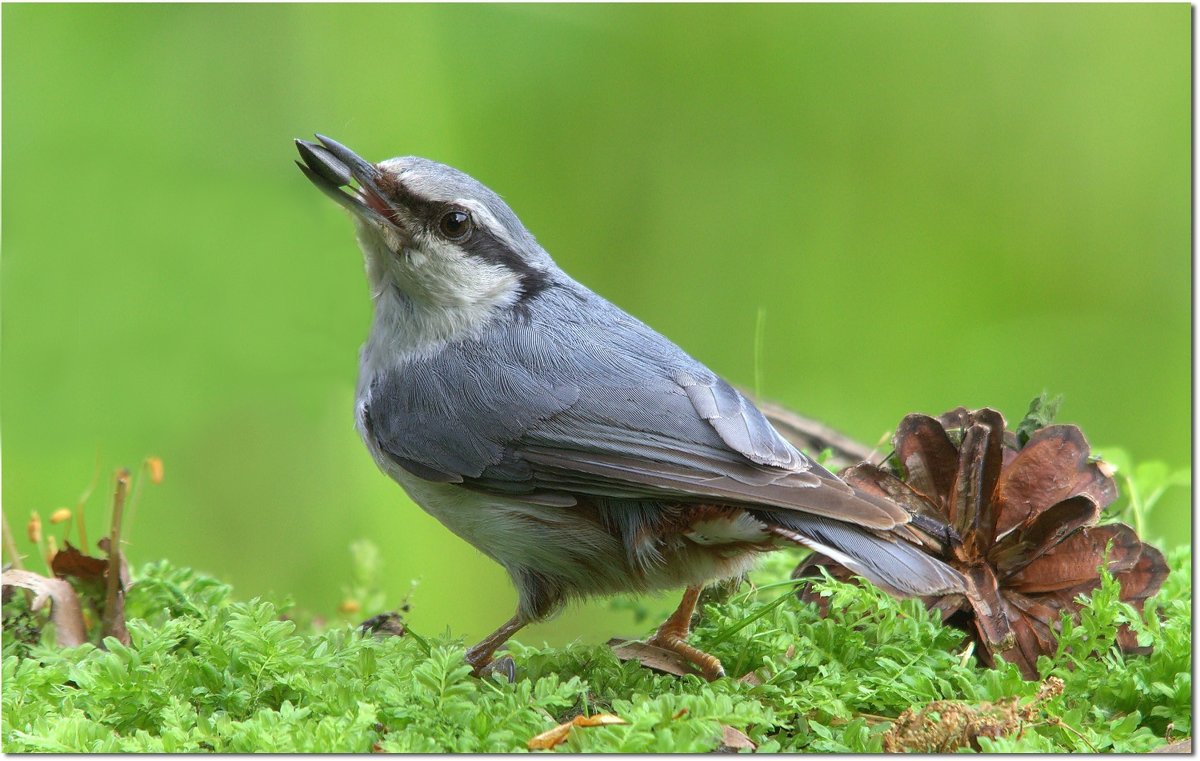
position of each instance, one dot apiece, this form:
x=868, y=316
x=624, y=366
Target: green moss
x=206, y=672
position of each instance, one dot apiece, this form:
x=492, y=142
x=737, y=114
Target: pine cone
x=1022, y=527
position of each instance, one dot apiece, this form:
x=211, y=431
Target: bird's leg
x=673, y=633
x=480, y=656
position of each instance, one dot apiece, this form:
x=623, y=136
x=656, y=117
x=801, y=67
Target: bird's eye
x=455, y=224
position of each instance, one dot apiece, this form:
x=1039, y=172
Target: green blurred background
x=933, y=205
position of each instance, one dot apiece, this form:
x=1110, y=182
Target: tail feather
x=892, y=564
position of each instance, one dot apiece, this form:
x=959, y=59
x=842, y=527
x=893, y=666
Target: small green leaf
x=1042, y=411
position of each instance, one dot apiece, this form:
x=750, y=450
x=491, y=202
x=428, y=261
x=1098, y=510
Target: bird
x=568, y=441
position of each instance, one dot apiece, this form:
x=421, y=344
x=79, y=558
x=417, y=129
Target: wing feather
x=549, y=405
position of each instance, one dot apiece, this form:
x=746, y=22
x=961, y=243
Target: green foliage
x=1042, y=411
x=206, y=672
x=1142, y=486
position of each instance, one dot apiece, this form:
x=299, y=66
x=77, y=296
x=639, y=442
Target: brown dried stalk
x=114, y=599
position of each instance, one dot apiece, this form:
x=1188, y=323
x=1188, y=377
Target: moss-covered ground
x=209, y=672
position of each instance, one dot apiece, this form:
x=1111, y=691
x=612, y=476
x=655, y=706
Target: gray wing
x=551, y=405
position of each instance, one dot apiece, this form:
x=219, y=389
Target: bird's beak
x=332, y=166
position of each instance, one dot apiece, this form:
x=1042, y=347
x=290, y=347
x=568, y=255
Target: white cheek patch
x=441, y=274
x=436, y=272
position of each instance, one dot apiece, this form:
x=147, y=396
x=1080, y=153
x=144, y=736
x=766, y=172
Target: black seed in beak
x=324, y=163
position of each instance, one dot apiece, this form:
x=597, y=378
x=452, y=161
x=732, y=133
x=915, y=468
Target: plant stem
x=1056, y=721
x=83, y=498
x=743, y=623
x=10, y=546
x=114, y=551
x=136, y=494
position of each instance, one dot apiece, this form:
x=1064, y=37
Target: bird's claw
x=710, y=667
x=505, y=666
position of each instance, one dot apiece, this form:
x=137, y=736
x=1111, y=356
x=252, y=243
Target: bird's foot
x=710, y=668
x=673, y=633
x=504, y=665
x=480, y=656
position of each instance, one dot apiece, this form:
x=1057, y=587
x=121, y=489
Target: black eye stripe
x=406, y=199
x=481, y=243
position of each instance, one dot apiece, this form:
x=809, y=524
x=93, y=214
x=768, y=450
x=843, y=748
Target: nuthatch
x=572, y=444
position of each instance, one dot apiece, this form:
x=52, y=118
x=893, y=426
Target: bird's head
x=434, y=238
